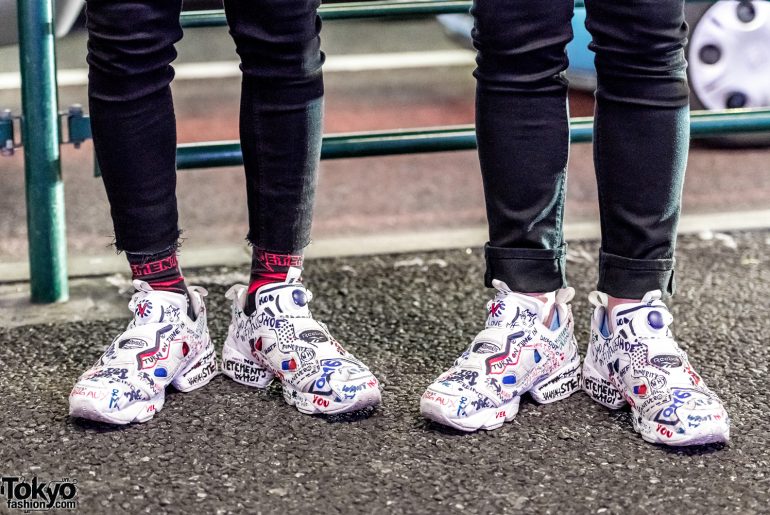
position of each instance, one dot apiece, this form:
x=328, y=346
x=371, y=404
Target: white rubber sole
x=558, y=386
x=655, y=433
x=136, y=412
x=487, y=419
x=196, y=375
x=313, y=404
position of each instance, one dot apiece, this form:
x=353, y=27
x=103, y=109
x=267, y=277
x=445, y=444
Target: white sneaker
x=640, y=364
x=161, y=346
x=514, y=355
x=282, y=339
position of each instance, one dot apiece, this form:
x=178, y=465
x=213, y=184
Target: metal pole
x=462, y=137
x=348, y=10
x=360, y=10
x=42, y=167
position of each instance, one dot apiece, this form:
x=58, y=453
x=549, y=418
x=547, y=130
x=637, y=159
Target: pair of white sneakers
x=637, y=362
x=163, y=346
x=632, y=358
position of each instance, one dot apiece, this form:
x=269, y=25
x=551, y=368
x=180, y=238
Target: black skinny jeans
x=130, y=48
x=641, y=137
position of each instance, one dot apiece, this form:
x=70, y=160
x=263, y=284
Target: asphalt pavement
x=231, y=449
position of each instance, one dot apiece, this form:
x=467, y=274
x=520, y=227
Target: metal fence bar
x=343, y=11
x=42, y=167
x=443, y=139
x=729, y=121
x=366, y=9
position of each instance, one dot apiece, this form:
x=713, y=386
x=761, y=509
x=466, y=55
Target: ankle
x=550, y=312
x=266, y=268
x=543, y=296
x=161, y=270
x=612, y=303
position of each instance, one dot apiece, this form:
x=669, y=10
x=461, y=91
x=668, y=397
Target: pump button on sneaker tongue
x=655, y=320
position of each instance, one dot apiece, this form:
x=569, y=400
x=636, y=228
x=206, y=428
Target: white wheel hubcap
x=729, y=55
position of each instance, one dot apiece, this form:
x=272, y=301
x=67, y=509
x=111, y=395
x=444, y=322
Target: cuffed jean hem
x=526, y=270
x=150, y=246
x=277, y=249
x=627, y=278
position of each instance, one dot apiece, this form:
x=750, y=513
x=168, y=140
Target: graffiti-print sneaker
x=515, y=354
x=161, y=346
x=640, y=364
x=281, y=339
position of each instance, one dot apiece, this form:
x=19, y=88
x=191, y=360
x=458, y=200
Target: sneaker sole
x=313, y=404
x=657, y=434
x=137, y=412
x=487, y=419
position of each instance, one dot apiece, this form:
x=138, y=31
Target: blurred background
x=385, y=74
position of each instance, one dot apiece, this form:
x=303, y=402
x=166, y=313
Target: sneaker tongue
x=158, y=306
x=293, y=275
x=283, y=299
x=508, y=309
x=649, y=316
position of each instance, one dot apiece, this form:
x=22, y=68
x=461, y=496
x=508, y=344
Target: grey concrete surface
x=230, y=449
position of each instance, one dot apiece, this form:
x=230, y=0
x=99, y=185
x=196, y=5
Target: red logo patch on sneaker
x=256, y=345
x=496, y=309
x=143, y=309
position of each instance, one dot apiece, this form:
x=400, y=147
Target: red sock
x=268, y=267
x=161, y=271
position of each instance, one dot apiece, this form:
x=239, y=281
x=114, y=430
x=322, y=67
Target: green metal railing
x=213, y=154
x=42, y=169
x=346, y=11
x=443, y=139
x=43, y=125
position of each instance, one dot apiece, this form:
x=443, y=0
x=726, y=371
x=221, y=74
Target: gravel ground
x=228, y=448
